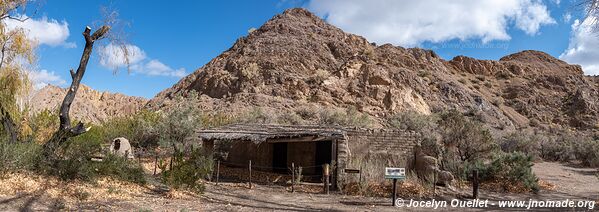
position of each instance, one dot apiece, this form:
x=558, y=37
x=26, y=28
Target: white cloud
x=567, y=17
x=43, y=31
x=157, y=68
x=583, y=48
x=410, y=23
x=113, y=57
x=41, y=78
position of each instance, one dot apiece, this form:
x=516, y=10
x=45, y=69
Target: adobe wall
x=371, y=150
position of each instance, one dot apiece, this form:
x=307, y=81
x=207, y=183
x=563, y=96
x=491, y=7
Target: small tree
x=463, y=139
x=15, y=49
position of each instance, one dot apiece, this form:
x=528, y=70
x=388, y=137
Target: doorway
x=323, y=155
x=279, y=157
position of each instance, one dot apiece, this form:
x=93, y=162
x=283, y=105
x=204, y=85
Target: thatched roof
x=261, y=133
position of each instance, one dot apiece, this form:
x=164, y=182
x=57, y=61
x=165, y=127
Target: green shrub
x=188, y=173
x=120, y=168
x=426, y=125
x=556, y=148
x=349, y=117
x=20, y=156
x=587, y=151
x=75, y=161
x=513, y=167
x=522, y=142
x=464, y=138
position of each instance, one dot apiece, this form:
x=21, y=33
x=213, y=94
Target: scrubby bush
x=188, y=172
x=20, y=156
x=424, y=124
x=349, y=117
x=587, y=151
x=465, y=139
x=510, y=168
x=527, y=143
x=75, y=161
x=556, y=147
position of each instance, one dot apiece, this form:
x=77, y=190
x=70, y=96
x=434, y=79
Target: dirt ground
x=572, y=182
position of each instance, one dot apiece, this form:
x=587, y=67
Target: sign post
x=395, y=174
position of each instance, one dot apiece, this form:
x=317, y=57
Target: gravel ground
x=571, y=182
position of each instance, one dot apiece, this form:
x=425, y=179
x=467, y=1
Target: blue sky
x=174, y=39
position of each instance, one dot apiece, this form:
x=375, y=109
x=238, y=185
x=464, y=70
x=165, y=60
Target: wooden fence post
x=155, y=163
x=250, y=168
x=292, y=177
x=475, y=184
x=217, y=171
x=325, y=173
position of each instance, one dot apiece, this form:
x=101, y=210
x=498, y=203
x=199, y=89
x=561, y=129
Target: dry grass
x=72, y=192
x=544, y=185
x=505, y=186
x=406, y=189
x=105, y=188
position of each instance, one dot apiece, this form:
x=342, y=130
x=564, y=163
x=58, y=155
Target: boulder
x=427, y=166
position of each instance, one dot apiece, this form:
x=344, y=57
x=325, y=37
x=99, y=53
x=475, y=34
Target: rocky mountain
x=298, y=59
x=90, y=106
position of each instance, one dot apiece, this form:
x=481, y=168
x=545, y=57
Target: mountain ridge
x=90, y=106
x=297, y=59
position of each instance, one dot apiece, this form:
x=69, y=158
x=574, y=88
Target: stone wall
x=371, y=150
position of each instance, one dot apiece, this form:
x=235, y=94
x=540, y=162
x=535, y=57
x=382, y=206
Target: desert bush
x=587, y=152
x=251, y=71
x=511, y=168
x=464, y=138
x=75, y=161
x=349, y=117
x=258, y=116
x=426, y=125
x=320, y=75
x=556, y=147
x=120, y=168
x=522, y=142
x=289, y=118
x=20, y=156
x=187, y=173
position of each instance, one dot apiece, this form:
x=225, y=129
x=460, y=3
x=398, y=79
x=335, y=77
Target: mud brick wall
x=371, y=150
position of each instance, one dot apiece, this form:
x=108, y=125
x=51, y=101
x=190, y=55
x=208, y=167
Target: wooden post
x=434, y=183
x=250, y=168
x=360, y=179
x=292, y=177
x=155, y=163
x=217, y=171
x=394, y=192
x=325, y=173
x=475, y=184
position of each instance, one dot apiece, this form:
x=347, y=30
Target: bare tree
x=65, y=129
x=591, y=11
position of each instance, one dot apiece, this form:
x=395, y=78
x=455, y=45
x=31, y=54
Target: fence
x=252, y=174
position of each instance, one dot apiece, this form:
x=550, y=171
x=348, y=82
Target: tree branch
x=65, y=130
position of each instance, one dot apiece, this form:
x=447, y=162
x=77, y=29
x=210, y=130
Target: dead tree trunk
x=9, y=125
x=65, y=129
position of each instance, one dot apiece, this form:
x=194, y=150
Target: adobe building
x=275, y=147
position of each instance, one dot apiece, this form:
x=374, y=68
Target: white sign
x=395, y=173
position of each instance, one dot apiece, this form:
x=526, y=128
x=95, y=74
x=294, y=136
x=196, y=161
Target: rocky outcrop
x=90, y=106
x=296, y=59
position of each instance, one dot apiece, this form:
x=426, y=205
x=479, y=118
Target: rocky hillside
x=297, y=59
x=89, y=106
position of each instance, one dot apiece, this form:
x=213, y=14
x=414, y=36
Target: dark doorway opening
x=279, y=157
x=323, y=155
